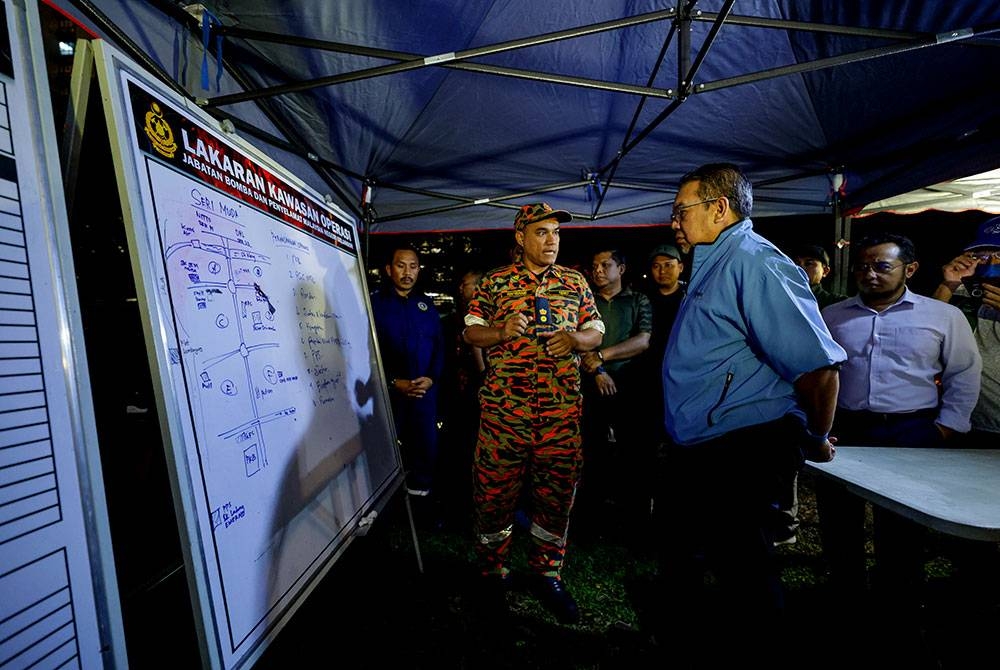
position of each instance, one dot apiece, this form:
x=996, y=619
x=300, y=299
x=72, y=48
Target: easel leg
x=413, y=532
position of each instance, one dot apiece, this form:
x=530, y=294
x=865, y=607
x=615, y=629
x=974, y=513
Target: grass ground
x=375, y=609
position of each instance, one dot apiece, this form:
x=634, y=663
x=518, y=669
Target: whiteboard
x=58, y=594
x=260, y=335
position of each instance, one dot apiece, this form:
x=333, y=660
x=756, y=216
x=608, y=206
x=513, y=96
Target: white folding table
x=955, y=491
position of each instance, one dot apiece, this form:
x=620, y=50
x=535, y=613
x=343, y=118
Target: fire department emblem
x=159, y=133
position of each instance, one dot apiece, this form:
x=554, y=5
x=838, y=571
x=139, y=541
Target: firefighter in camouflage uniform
x=532, y=318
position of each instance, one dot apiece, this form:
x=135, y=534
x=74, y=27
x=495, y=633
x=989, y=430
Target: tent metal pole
x=843, y=59
x=760, y=22
x=430, y=61
x=368, y=215
x=841, y=244
x=140, y=56
x=787, y=201
x=792, y=177
x=469, y=202
x=685, y=74
x=713, y=33
x=310, y=156
x=808, y=26
x=651, y=188
x=638, y=208
x=683, y=43
x=480, y=201
x=684, y=85
x=496, y=70
x=635, y=120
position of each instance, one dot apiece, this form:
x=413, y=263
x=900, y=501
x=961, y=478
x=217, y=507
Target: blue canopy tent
x=435, y=116
x=425, y=116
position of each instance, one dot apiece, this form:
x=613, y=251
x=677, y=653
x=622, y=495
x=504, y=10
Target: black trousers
x=899, y=542
x=718, y=523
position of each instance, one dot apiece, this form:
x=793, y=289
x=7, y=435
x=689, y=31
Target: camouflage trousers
x=540, y=451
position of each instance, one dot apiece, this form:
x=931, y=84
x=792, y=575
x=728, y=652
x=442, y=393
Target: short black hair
x=717, y=180
x=475, y=271
x=810, y=251
x=617, y=254
x=402, y=246
x=907, y=250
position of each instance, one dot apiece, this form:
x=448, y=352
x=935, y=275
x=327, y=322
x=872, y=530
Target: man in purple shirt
x=911, y=380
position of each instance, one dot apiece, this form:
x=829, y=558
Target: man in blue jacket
x=750, y=387
x=411, y=342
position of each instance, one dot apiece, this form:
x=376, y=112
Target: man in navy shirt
x=411, y=342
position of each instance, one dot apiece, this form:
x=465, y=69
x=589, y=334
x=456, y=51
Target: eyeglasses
x=880, y=268
x=677, y=213
x=984, y=256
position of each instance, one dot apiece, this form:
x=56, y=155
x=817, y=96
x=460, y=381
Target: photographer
x=972, y=283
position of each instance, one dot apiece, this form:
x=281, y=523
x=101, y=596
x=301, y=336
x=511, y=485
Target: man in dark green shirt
x=617, y=453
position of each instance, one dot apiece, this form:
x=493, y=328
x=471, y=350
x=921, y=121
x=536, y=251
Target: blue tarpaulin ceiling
x=453, y=112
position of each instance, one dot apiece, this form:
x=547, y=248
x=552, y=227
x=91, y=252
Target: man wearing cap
x=665, y=268
x=532, y=318
x=750, y=384
x=815, y=262
x=978, y=269
x=665, y=294
x=971, y=282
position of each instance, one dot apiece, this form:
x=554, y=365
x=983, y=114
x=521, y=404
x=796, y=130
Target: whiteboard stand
x=413, y=531
x=365, y=524
x=76, y=115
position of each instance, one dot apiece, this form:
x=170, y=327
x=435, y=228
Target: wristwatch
x=818, y=439
x=600, y=355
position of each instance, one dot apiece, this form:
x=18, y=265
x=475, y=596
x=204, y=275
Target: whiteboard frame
x=158, y=325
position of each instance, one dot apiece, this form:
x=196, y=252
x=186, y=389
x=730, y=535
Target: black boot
x=552, y=593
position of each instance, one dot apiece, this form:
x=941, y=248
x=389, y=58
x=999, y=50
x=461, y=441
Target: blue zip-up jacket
x=747, y=329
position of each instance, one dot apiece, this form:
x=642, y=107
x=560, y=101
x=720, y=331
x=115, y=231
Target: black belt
x=870, y=417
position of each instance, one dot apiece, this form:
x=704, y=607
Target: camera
x=974, y=285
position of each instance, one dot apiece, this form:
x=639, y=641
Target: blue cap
x=988, y=234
